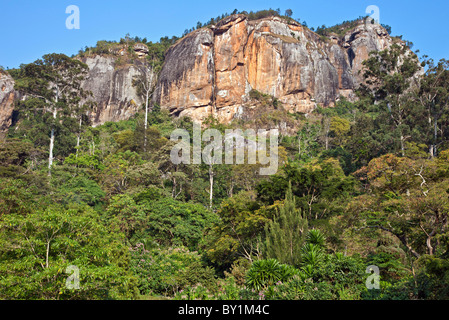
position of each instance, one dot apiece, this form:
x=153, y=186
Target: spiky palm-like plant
x=312, y=254
x=265, y=273
x=316, y=237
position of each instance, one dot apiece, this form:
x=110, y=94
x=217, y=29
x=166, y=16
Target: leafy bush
x=36, y=249
x=168, y=271
x=265, y=99
x=81, y=189
x=177, y=223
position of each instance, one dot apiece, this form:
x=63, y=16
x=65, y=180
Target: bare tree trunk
x=429, y=237
x=52, y=144
x=173, y=191
x=211, y=181
x=402, y=146
x=92, y=147
x=327, y=128
x=77, y=144
x=435, y=136
x=231, y=189
x=78, y=138
x=52, y=135
x=146, y=121
x=47, y=254
x=429, y=245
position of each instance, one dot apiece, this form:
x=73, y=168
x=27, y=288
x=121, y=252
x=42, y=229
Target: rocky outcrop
x=110, y=82
x=141, y=50
x=212, y=70
x=186, y=81
x=7, y=96
x=112, y=88
x=360, y=42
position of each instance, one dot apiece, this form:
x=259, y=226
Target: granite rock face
x=112, y=88
x=361, y=41
x=7, y=97
x=111, y=85
x=213, y=69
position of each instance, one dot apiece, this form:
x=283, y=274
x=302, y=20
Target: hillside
x=103, y=195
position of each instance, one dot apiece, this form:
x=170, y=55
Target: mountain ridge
x=270, y=55
x=273, y=55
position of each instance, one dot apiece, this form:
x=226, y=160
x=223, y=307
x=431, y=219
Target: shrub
x=264, y=273
x=167, y=272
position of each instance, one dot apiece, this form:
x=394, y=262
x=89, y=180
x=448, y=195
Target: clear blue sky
x=30, y=28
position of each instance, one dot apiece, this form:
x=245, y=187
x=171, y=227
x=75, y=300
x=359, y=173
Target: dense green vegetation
x=342, y=28
x=364, y=183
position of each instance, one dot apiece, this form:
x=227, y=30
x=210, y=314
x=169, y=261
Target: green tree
x=237, y=232
x=116, y=175
x=285, y=235
x=16, y=197
x=125, y=215
x=308, y=140
x=317, y=185
x=56, y=80
x=36, y=249
x=433, y=95
x=289, y=13
x=169, y=271
x=16, y=156
x=339, y=127
x=171, y=222
x=408, y=200
x=390, y=76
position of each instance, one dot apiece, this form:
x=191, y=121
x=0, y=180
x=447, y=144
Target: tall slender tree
x=433, y=94
x=145, y=84
x=285, y=235
x=56, y=79
x=391, y=75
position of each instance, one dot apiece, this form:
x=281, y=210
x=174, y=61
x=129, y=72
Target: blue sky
x=30, y=28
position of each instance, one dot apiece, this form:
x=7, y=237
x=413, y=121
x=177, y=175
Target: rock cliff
x=212, y=70
x=112, y=89
x=109, y=80
x=7, y=96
